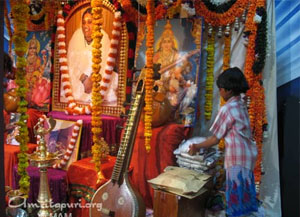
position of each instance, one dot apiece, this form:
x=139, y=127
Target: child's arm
x=212, y=140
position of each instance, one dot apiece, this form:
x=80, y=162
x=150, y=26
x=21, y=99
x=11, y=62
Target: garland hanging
x=20, y=12
x=112, y=54
x=221, y=19
x=218, y=7
x=261, y=41
x=150, y=21
x=226, y=64
x=210, y=62
x=256, y=104
x=100, y=148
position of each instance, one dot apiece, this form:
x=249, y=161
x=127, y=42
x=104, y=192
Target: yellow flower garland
x=226, y=64
x=209, y=87
x=20, y=12
x=149, y=73
x=100, y=148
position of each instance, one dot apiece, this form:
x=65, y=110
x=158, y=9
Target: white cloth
x=185, y=144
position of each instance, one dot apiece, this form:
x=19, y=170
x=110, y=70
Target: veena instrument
x=117, y=197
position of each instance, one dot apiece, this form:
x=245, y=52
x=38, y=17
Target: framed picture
x=38, y=69
x=60, y=138
x=177, y=48
x=78, y=27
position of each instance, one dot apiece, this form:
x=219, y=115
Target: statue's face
x=32, y=49
x=166, y=43
x=87, y=27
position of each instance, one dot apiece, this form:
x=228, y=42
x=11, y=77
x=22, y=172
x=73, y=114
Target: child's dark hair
x=233, y=79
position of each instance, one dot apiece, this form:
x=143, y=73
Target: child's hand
x=192, y=150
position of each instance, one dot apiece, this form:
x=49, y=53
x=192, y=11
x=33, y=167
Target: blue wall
x=287, y=17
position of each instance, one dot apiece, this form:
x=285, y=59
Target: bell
x=220, y=32
x=244, y=16
x=236, y=24
x=210, y=30
x=227, y=30
x=11, y=100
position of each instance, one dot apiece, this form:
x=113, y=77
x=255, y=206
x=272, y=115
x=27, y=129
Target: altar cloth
x=11, y=159
x=111, y=134
x=57, y=183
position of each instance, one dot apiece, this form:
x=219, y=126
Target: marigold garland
x=149, y=73
x=209, y=87
x=174, y=9
x=221, y=19
x=112, y=54
x=256, y=93
x=100, y=148
x=20, y=12
x=226, y=64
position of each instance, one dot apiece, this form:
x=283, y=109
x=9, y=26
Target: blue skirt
x=240, y=192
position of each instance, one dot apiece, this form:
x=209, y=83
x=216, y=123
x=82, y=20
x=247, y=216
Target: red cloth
x=82, y=174
x=11, y=158
x=164, y=141
x=33, y=117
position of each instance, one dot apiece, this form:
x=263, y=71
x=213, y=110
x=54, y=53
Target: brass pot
x=11, y=100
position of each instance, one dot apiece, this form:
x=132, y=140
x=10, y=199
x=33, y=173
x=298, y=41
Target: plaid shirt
x=232, y=123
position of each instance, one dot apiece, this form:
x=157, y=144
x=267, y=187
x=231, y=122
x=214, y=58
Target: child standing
x=232, y=123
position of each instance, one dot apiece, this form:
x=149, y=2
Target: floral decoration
x=20, y=12
x=226, y=64
x=112, y=54
x=256, y=97
x=209, y=87
x=150, y=21
x=225, y=16
x=100, y=148
x=261, y=41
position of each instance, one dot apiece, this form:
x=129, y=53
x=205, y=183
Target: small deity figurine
x=40, y=131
